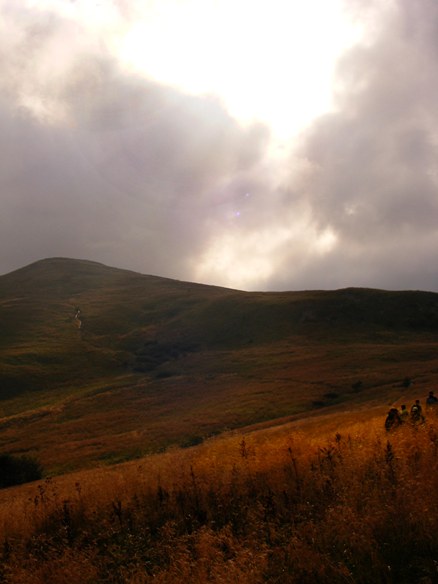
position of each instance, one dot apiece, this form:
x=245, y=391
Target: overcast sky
x=256, y=145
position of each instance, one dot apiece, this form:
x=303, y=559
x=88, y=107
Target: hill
x=99, y=364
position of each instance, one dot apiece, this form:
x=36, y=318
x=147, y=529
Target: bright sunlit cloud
x=249, y=260
x=270, y=61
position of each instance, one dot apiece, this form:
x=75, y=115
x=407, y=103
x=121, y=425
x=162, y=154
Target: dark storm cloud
x=101, y=164
x=373, y=172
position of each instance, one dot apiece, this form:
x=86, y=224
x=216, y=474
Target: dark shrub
x=164, y=374
x=192, y=441
x=331, y=395
x=16, y=470
x=357, y=386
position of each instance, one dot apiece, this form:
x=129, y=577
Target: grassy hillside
x=99, y=364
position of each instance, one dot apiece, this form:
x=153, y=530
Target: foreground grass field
x=297, y=503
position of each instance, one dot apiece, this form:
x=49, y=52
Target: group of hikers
x=415, y=416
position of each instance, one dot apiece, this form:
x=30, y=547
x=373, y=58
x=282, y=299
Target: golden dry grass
x=296, y=503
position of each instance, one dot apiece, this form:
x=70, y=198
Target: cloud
x=371, y=174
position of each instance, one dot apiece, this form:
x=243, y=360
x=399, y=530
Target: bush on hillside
x=18, y=470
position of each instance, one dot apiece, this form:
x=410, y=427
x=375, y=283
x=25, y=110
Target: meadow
x=295, y=503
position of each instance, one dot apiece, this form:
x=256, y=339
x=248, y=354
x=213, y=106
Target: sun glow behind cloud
x=270, y=61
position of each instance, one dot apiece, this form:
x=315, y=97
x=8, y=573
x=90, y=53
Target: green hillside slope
x=98, y=363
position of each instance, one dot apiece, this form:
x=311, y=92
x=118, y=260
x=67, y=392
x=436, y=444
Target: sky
x=251, y=144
